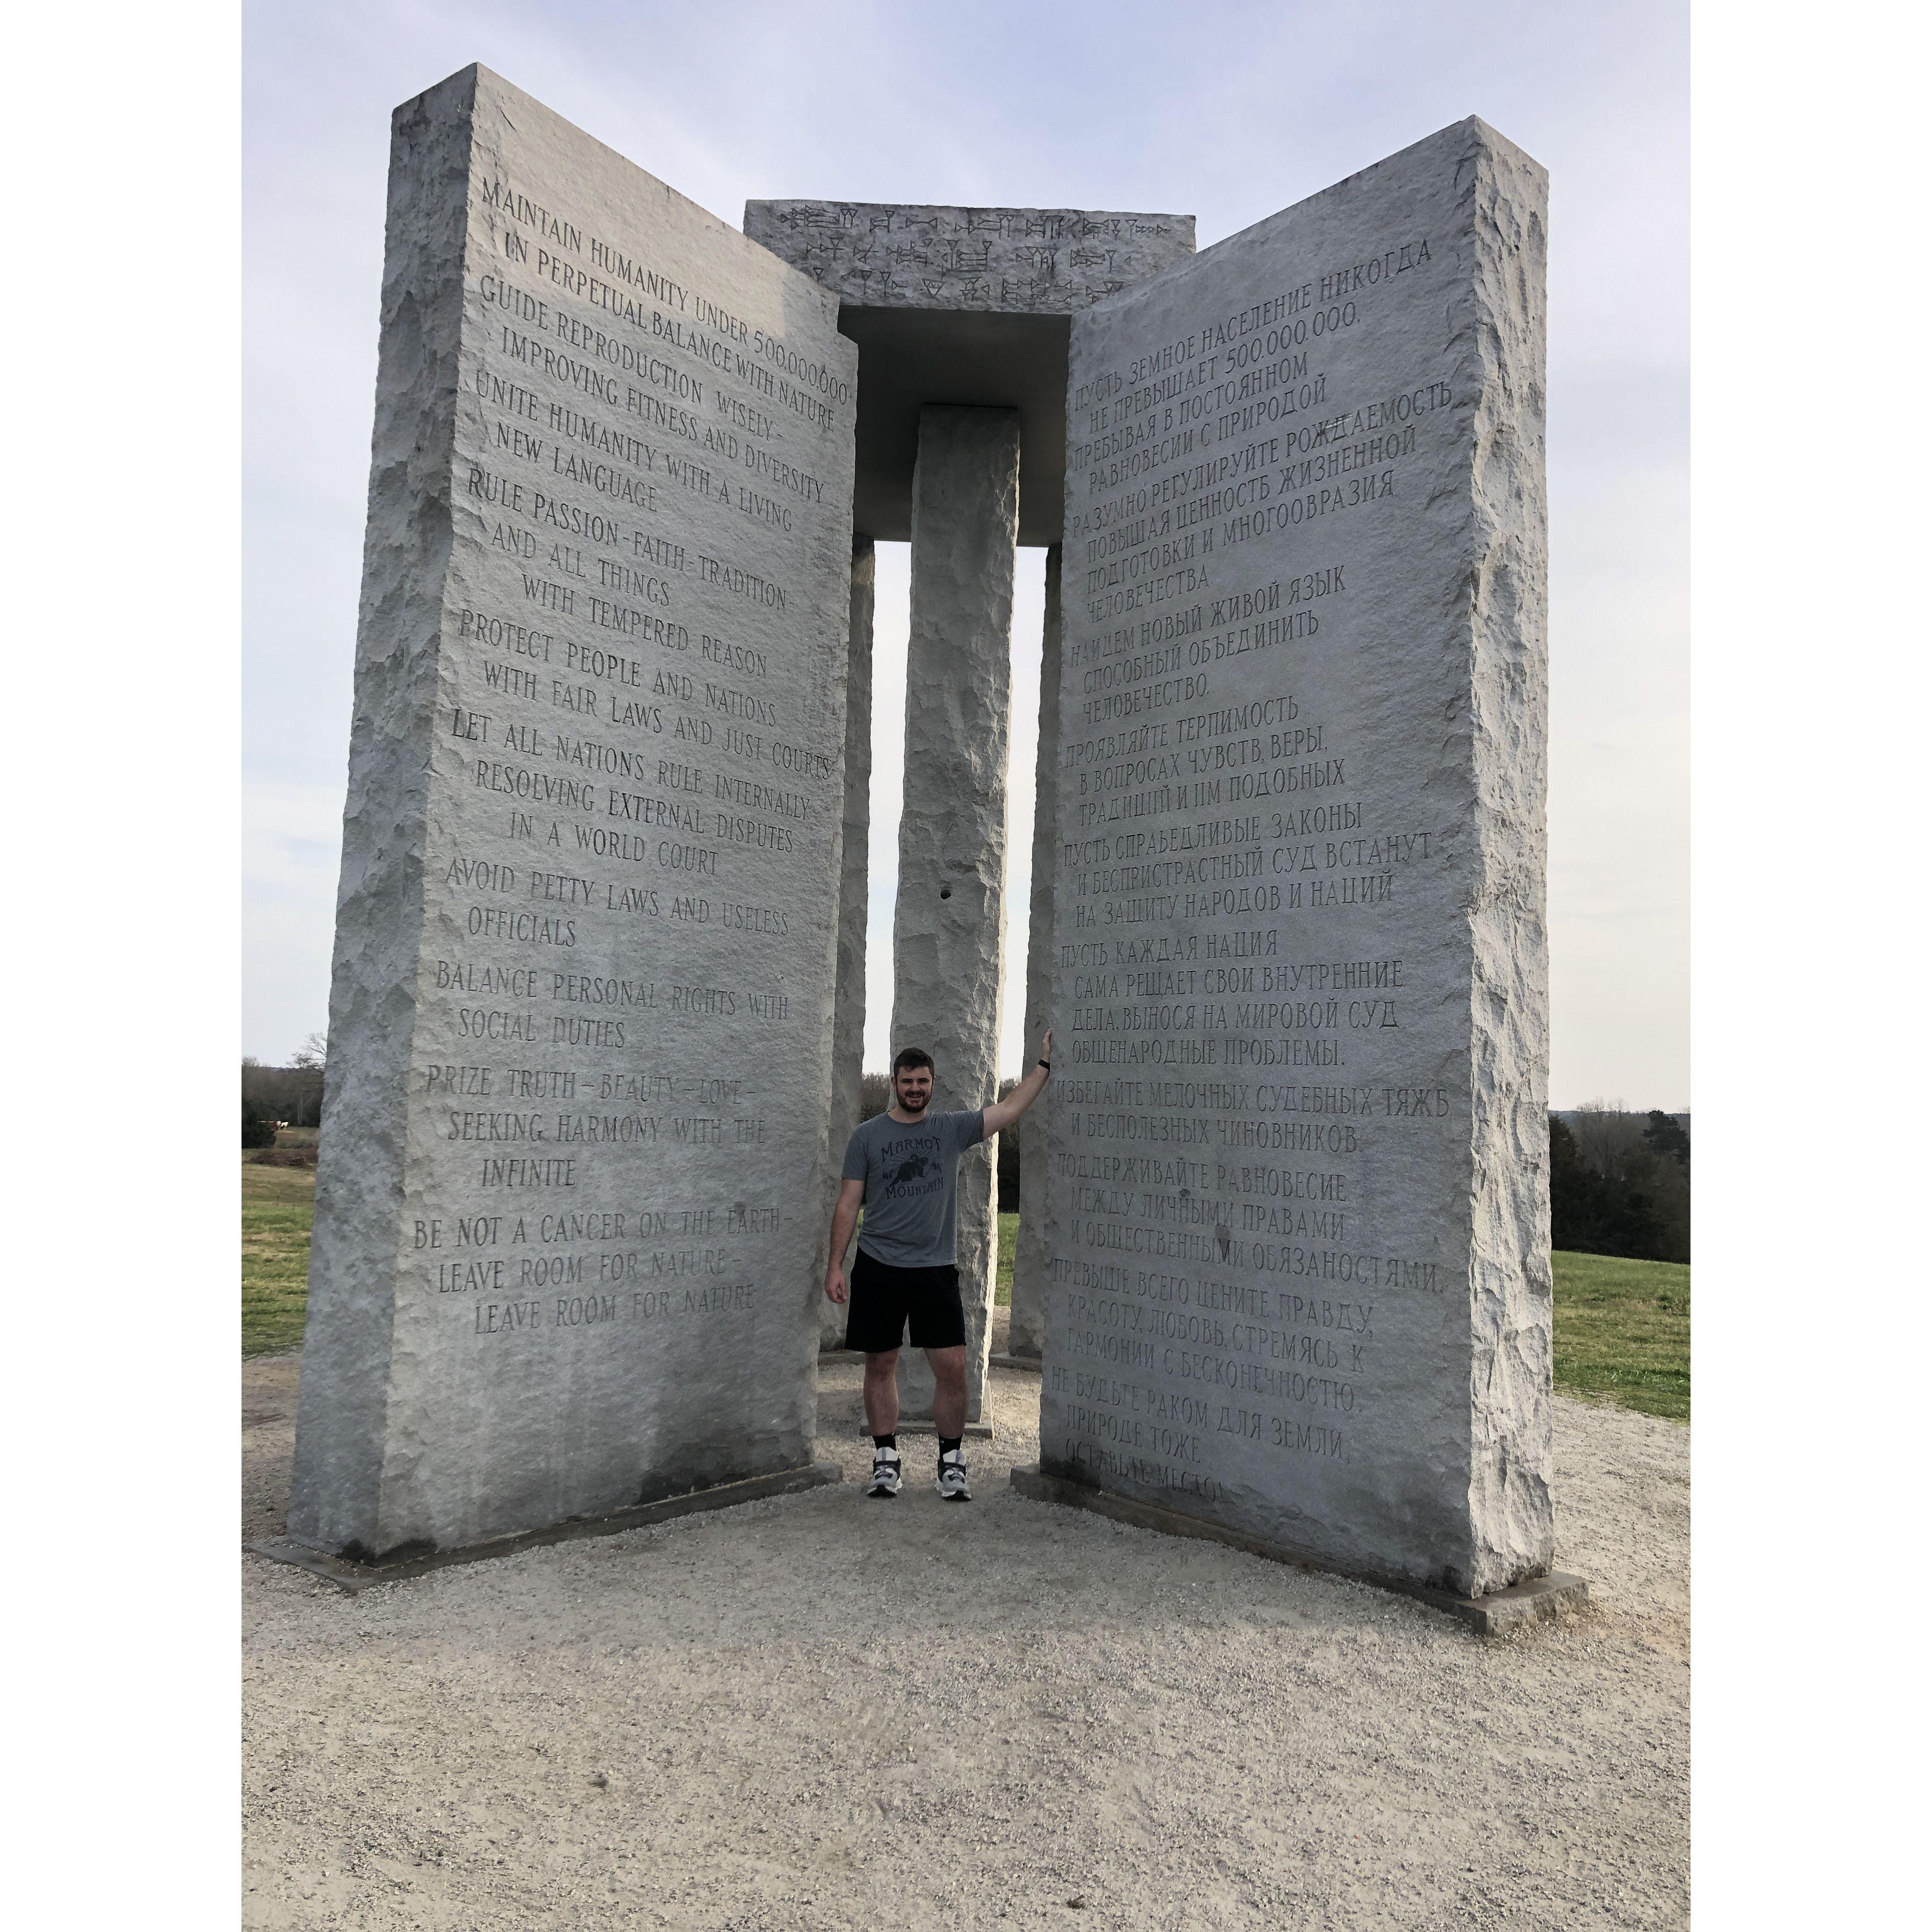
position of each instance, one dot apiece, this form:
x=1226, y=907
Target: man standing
x=902, y=1164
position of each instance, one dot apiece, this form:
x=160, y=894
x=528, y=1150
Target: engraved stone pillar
x=1029, y=1314
x=848, y=1012
x=949, y=924
x=478, y=1362
x=1379, y=662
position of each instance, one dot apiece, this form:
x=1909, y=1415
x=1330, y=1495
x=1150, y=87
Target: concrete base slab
x=1493, y=1616
x=923, y=1426
x=1029, y=1362
x=354, y=1576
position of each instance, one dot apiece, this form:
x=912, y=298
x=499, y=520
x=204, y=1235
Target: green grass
x=278, y=1206
x=1623, y=1332
x=1002, y=1282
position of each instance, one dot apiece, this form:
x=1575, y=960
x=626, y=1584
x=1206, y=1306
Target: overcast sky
x=1225, y=112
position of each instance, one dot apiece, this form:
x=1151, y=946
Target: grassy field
x=1623, y=1331
x=1623, y=1328
x=1002, y=1280
x=277, y=1204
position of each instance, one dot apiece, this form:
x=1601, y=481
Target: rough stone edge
x=354, y=1576
x=848, y=1020
x=1495, y=1615
x=763, y=216
x=1028, y=1326
x=355, y=1258
x=1501, y=337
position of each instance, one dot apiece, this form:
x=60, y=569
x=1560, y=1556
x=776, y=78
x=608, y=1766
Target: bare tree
x=1605, y=1132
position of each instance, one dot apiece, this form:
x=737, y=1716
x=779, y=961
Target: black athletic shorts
x=885, y=1300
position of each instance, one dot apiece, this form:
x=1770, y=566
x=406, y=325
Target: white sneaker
x=953, y=1477
x=885, y=1473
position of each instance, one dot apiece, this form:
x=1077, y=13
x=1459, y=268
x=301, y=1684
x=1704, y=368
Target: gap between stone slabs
x=1493, y=1615
x=355, y=1577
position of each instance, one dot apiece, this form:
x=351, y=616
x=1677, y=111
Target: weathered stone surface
x=1028, y=261
x=848, y=1009
x=950, y=923
x=574, y=1175
x=1027, y=1334
x=1298, y=1207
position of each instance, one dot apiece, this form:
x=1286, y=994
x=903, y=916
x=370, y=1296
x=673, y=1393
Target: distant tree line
x=292, y=1094
x=1620, y=1184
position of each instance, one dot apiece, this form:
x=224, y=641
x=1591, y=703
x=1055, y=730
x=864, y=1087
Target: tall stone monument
x=574, y=1175
x=598, y=996
x=1296, y=1204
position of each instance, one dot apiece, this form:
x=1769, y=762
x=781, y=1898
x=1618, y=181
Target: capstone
x=964, y=306
x=1043, y=261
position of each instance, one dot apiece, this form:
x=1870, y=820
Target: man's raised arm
x=1002, y=1114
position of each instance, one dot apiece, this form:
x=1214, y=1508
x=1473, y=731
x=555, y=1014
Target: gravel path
x=820, y=1712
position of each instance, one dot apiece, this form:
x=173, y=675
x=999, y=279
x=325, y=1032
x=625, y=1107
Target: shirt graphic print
x=909, y=1170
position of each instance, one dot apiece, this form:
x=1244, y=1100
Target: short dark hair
x=910, y=1056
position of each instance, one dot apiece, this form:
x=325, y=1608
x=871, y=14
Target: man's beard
x=911, y=1106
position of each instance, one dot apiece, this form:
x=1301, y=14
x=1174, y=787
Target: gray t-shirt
x=908, y=1169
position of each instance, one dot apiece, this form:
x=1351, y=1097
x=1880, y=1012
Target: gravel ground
x=821, y=1711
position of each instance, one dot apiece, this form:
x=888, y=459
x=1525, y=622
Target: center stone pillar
x=949, y=928
x=1027, y=1336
